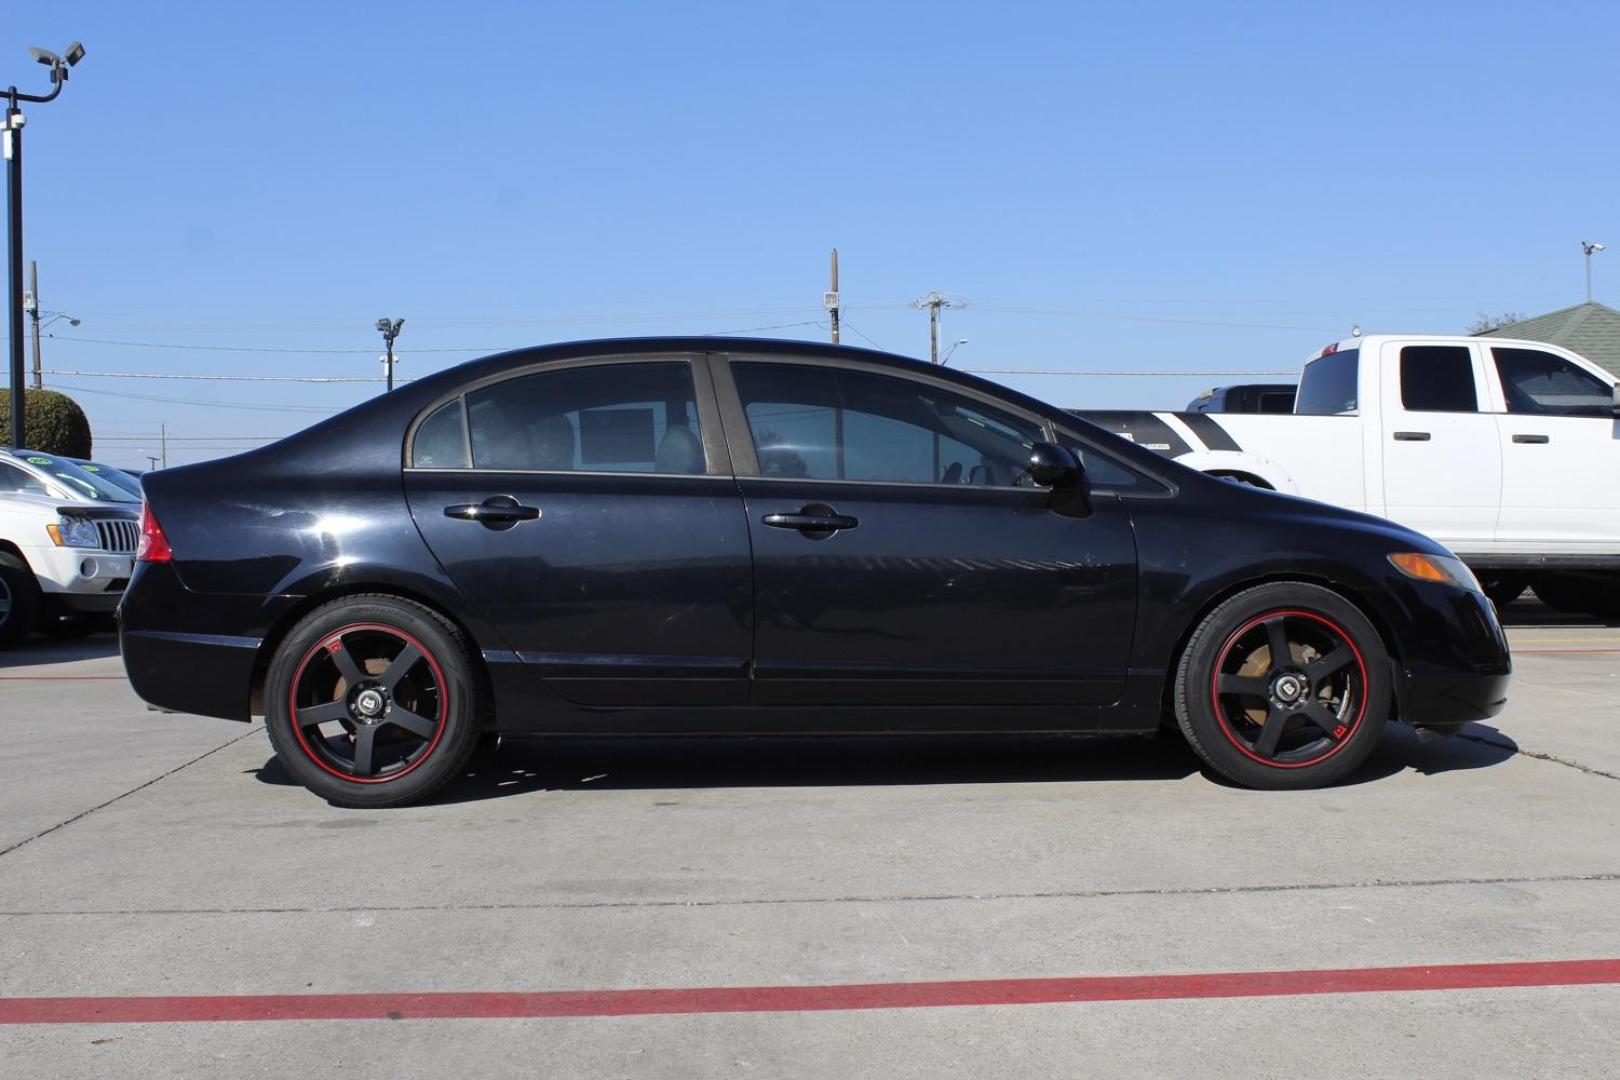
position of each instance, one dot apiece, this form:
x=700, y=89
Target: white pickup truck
x=67, y=544
x=1507, y=452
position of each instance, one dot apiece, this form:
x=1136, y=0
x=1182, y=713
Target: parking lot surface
x=149, y=856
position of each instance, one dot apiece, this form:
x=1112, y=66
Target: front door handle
x=496, y=512
x=815, y=521
x=1411, y=436
x=1531, y=439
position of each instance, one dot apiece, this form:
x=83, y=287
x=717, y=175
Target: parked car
x=729, y=536
x=1246, y=398
x=123, y=478
x=1502, y=450
x=67, y=539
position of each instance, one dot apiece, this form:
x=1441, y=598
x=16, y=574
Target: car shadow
x=522, y=766
x=39, y=650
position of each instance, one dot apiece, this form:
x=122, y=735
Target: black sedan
x=720, y=536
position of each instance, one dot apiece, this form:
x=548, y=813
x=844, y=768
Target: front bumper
x=76, y=574
x=1462, y=676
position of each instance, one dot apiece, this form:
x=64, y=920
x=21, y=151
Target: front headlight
x=74, y=532
x=1442, y=569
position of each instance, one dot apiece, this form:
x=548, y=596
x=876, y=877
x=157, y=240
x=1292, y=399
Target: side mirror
x=1053, y=466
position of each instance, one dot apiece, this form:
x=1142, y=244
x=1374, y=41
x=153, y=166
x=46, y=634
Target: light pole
x=31, y=305
x=1589, y=250
x=389, y=331
x=11, y=134
x=957, y=344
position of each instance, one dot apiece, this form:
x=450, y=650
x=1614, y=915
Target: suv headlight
x=76, y=532
x=1443, y=569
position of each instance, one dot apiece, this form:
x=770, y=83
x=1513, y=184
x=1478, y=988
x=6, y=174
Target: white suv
x=67, y=542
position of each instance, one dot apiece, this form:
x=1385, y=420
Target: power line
x=1078, y=371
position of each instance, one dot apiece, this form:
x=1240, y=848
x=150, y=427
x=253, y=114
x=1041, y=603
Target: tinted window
x=601, y=418
x=1438, y=378
x=1328, y=385
x=441, y=441
x=835, y=424
x=1539, y=382
x=1105, y=472
x=15, y=479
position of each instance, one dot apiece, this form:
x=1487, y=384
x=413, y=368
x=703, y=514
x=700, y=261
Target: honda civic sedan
x=722, y=537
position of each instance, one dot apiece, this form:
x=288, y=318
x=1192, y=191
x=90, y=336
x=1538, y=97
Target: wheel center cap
x=1288, y=687
x=370, y=703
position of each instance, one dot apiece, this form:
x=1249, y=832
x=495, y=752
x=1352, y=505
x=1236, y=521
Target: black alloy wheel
x=372, y=701
x=1283, y=686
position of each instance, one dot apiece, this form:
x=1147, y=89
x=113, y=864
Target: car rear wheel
x=19, y=600
x=1283, y=686
x=373, y=701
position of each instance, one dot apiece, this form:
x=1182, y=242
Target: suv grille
x=118, y=534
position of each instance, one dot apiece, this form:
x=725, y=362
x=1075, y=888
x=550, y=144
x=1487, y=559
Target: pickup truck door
x=1560, y=444
x=1442, y=461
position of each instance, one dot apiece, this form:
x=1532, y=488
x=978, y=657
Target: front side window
x=824, y=423
x=632, y=417
x=13, y=479
x=1438, y=378
x=1328, y=385
x=1540, y=383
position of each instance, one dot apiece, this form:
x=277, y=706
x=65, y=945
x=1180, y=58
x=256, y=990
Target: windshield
x=112, y=476
x=75, y=480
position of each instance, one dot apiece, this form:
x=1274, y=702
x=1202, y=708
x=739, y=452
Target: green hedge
x=52, y=423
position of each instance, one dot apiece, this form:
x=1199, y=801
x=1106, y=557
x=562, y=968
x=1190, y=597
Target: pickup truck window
x=1540, y=383
x=1327, y=386
x=1438, y=378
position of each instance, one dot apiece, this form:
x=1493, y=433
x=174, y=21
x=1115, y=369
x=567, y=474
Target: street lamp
x=11, y=146
x=958, y=343
x=1589, y=250
x=389, y=331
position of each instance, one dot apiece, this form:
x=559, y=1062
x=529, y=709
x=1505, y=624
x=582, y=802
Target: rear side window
x=1541, y=383
x=1328, y=385
x=441, y=441
x=1438, y=378
x=633, y=417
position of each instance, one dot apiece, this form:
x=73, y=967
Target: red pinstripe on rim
x=1226, y=649
x=321, y=646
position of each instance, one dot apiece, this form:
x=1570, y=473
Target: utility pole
x=831, y=299
x=11, y=148
x=151, y=458
x=389, y=331
x=31, y=306
x=163, y=444
x=936, y=302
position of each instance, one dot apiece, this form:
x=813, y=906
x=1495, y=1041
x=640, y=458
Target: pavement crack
x=1540, y=756
x=914, y=898
x=124, y=795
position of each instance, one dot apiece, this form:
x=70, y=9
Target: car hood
x=44, y=506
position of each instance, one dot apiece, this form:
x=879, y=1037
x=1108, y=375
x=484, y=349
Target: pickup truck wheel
x=1503, y=589
x=1580, y=594
x=19, y=600
x=1283, y=686
x=372, y=701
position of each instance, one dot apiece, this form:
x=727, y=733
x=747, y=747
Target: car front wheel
x=372, y=701
x=1283, y=686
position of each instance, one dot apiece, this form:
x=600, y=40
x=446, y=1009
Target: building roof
x=1591, y=329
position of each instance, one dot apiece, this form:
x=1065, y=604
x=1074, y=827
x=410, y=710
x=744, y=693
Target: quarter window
x=835, y=424
x=1541, y=383
x=639, y=417
x=1438, y=378
x=441, y=441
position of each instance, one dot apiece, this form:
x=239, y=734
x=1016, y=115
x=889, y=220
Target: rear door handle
x=496, y=512
x=1531, y=439
x=814, y=521
x=1411, y=436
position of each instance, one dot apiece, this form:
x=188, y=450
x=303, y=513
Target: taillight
x=154, y=546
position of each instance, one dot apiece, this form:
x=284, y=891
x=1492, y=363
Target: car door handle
x=812, y=519
x=1531, y=438
x=1411, y=436
x=495, y=512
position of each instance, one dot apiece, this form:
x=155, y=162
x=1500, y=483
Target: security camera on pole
x=11, y=146
x=389, y=331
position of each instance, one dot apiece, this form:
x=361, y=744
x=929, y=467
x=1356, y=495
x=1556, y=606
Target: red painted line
x=63, y=678
x=743, y=999
x=1516, y=652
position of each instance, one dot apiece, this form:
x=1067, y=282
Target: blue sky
x=1191, y=185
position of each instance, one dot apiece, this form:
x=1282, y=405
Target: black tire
x=1503, y=589
x=1580, y=594
x=1328, y=700
x=66, y=627
x=357, y=751
x=19, y=600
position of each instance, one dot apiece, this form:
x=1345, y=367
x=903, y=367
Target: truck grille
x=118, y=535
